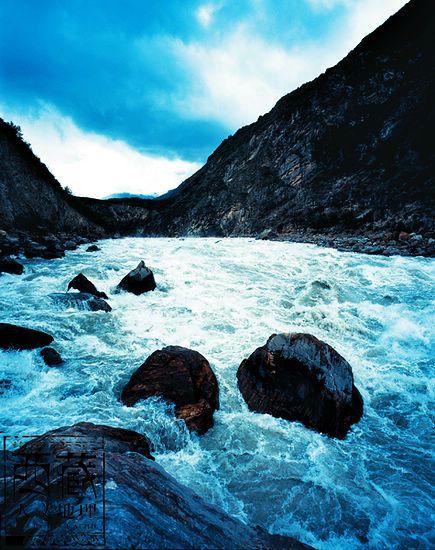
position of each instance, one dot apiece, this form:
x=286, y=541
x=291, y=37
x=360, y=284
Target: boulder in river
x=146, y=507
x=80, y=300
x=139, y=280
x=51, y=357
x=16, y=337
x=179, y=375
x=83, y=284
x=9, y=265
x=298, y=377
x=93, y=248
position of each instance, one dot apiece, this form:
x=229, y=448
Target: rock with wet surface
x=9, y=265
x=298, y=377
x=80, y=300
x=16, y=337
x=182, y=376
x=93, y=248
x=139, y=280
x=83, y=284
x=51, y=357
x=146, y=507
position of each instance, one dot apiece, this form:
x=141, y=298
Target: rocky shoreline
x=388, y=244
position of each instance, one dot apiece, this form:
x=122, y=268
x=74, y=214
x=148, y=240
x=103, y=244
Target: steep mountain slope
x=31, y=199
x=348, y=152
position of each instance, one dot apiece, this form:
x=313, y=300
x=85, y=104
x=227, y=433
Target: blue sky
x=133, y=95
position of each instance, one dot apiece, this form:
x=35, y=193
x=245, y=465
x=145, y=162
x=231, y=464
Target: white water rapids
x=224, y=298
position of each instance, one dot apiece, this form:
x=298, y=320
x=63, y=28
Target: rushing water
x=224, y=298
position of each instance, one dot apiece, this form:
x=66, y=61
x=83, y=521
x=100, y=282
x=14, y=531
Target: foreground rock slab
x=80, y=300
x=83, y=284
x=145, y=506
x=16, y=337
x=298, y=377
x=139, y=280
x=182, y=376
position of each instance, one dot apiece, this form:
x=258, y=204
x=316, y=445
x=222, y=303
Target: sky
x=134, y=95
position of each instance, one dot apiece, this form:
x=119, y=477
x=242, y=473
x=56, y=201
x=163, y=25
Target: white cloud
x=241, y=75
x=93, y=165
x=364, y=16
x=205, y=14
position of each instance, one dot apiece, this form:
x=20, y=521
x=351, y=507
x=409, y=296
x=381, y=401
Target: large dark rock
x=15, y=337
x=139, y=280
x=8, y=265
x=298, y=377
x=80, y=300
x=83, y=284
x=179, y=375
x=51, y=357
x=145, y=506
x=93, y=248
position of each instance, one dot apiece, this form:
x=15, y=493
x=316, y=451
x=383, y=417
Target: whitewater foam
x=225, y=298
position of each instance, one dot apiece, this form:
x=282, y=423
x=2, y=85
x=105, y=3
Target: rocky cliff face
x=31, y=199
x=349, y=152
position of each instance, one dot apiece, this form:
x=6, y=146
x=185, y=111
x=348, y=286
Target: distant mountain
x=351, y=151
x=132, y=196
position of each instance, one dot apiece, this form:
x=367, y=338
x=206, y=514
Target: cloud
x=205, y=14
x=241, y=74
x=363, y=17
x=92, y=164
x=236, y=82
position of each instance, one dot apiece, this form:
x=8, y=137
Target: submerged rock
x=80, y=300
x=298, y=377
x=51, y=357
x=83, y=284
x=16, y=337
x=146, y=507
x=93, y=248
x=5, y=385
x=8, y=265
x=182, y=376
x=139, y=280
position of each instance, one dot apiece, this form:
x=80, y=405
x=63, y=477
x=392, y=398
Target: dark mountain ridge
x=31, y=198
x=349, y=151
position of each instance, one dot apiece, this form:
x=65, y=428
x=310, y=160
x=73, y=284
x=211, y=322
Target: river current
x=224, y=298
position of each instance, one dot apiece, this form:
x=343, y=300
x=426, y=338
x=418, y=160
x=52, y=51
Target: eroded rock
x=51, y=357
x=298, y=377
x=80, y=300
x=139, y=280
x=83, y=284
x=16, y=337
x=179, y=375
x=9, y=265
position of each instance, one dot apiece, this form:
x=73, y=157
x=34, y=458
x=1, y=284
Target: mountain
x=348, y=153
x=344, y=159
x=132, y=196
x=31, y=199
